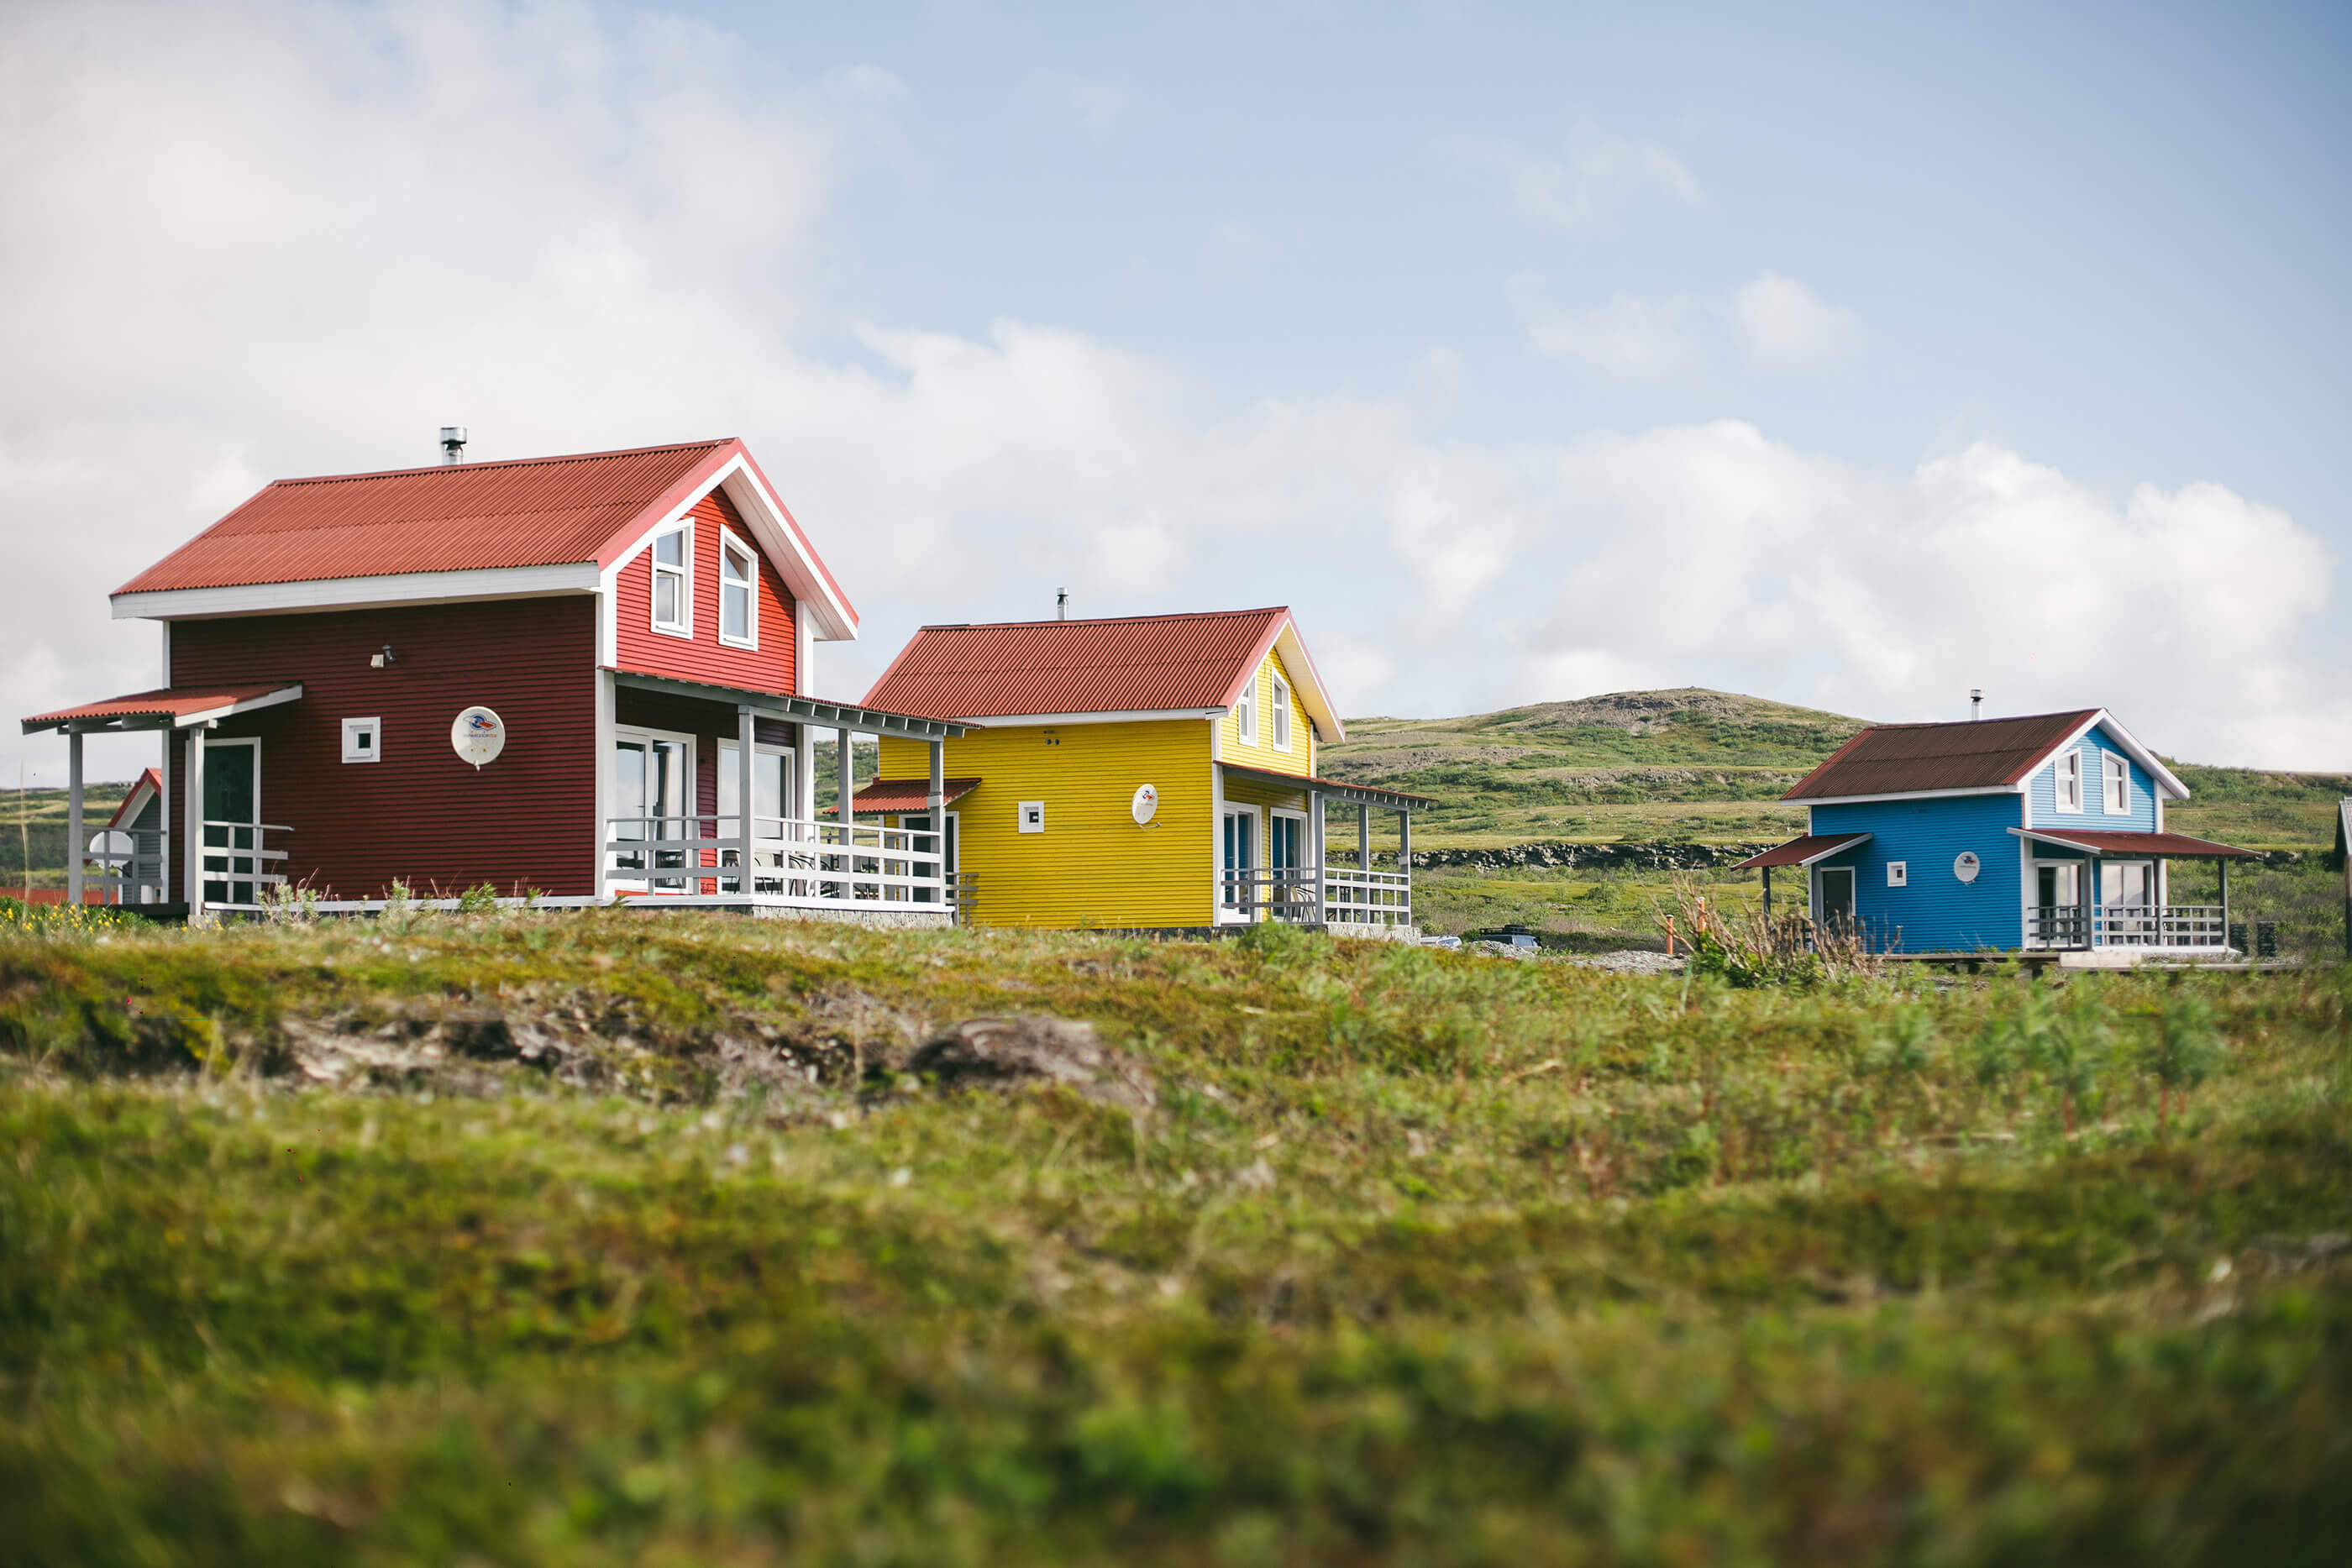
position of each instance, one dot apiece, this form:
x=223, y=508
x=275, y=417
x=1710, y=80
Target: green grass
x=1421, y=1258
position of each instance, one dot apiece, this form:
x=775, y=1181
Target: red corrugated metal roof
x=536, y=511
x=908, y=794
x=1136, y=663
x=166, y=702
x=1803, y=851
x=1902, y=759
x=148, y=780
x=2175, y=846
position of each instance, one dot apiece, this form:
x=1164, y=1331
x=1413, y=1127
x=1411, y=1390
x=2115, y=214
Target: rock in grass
x=1014, y=1053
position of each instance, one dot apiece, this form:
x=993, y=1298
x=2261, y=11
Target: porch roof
x=2168, y=846
x=167, y=707
x=1336, y=788
x=825, y=715
x=909, y=794
x=1806, y=851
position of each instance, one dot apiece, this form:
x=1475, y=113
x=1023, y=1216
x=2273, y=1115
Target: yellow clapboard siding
x=1092, y=866
x=1300, y=758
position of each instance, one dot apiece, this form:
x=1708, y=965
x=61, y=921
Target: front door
x=232, y=821
x=650, y=774
x=771, y=804
x=1240, y=830
x=1286, y=832
x=1835, y=911
x=2128, y=900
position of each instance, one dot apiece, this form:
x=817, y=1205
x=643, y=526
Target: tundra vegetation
x=525, y=1237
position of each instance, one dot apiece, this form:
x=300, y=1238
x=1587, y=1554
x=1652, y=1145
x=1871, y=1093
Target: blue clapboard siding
x=2042, y=792
x=1937, y=912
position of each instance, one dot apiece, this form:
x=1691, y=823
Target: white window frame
x=1023, y=822
x=2068, y=770
x=729, y=548
x=1278, y=710
x=2115, y=784
x=688, y=782
x=684, y=573
x=1245, y=715
x=371, y=728
x=1898, y=873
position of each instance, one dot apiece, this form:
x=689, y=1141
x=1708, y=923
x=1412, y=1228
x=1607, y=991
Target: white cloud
x=253, y=247
x=1783, y=325
x=1589, y=189
x=1629, y=338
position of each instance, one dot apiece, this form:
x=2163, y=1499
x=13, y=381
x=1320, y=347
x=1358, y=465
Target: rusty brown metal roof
x=1804, y=850
x=164, y=705
x=909, y=794
x=2172, y=846
x=1135, y=664
x=463, y=516
x=1907, y=759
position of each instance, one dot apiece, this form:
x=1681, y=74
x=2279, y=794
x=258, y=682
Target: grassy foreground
x=1419, y=1258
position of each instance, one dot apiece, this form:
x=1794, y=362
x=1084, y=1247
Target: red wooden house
x=574, y=678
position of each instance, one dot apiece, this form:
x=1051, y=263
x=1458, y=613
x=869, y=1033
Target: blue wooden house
x=2045, y=832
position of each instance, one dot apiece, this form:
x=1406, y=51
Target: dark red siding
x=767, y=668
x=420, y=815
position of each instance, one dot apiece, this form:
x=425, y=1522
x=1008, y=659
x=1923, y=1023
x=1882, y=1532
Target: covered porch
x=1276, y=861
x=2088, y=890
x=741, y=827
x=220, y=857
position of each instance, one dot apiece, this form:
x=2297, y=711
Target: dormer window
x=1281, y=715
x=2070, y=781
x=738, y=605
x=673, y=590
x=1245, y=714
x=2115, y=784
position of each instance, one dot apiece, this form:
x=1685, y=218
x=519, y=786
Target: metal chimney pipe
x=452, y=443
x=1062, y=604
x=1976, y=702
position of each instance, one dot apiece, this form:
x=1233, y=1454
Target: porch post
x=1767, y=895
x=2090, y=899
x=1363, y=837
x=192, y=856
x=935, y=800
x=73, y=816
x=843, y=775
x=1404, y=859
x=746, y=737
x=2225, y=906
x=1316, y=804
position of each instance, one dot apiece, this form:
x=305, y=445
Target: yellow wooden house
x=1152, y=772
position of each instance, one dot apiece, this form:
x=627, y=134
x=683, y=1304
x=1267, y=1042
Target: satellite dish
x=479, y=736
x=1967, y=865
x=1146, y=804
x=114, y=843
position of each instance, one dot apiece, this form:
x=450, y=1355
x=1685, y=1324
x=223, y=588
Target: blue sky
x=1844, y=355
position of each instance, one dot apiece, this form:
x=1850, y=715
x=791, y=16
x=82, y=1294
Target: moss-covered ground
x=1419, y=1258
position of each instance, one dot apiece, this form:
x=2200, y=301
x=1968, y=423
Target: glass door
x=1835, y=911
x=772, y=791
x=1285, y=833
x=1240, y=830
x=232, y=821
x=649, y=783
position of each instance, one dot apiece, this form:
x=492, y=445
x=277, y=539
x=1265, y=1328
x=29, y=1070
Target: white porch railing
x=2128, y=925
x=126, y=865
x=236, y=864
x=792, y=862
x=1335, y=896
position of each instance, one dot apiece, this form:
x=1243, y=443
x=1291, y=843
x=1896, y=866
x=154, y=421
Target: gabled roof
x=150, y=785
x=489, y=529
x=1130, y=666
x=1970, y=757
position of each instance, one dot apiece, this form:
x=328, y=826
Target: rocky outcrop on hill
x=1563, y=856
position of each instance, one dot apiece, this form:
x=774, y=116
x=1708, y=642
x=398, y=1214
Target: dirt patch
x=1004, y=1054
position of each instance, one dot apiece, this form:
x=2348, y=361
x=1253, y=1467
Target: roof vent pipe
x=452, y=443
x=1062, y=604
x=1976, y=702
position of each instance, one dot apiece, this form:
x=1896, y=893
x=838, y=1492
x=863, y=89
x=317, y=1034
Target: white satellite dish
x=1146, y=804
x=479, y=736
x=1966, y=865
x=113, y=842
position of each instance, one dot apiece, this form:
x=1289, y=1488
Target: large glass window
x=2115, y=784
x=2127, y=884
x=648, y=799
x=1241, y=853
x=739, y=608
x=2070, y=781
x=673, y=594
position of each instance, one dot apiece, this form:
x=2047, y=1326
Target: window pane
x=665, y=599
x=670, y=549
x=738, y=567
x=735, y=611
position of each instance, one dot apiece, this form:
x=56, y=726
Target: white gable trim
x=1811, y=800
x=2166, y=783
x=1307, y=682
x=772, y=533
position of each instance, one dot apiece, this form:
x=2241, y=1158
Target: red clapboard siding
x=768, y=667
x=420, y=815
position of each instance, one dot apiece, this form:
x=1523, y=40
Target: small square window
x=1898, y=873
x=1032, y=816
x=363, y=739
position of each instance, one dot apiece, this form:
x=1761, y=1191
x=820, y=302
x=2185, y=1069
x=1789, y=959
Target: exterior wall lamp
x=383, y=661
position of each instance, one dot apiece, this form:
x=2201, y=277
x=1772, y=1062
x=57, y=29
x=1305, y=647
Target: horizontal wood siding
x=702, y=657
x=1299, y=759
x=420, y=815
x=2042, y=792
x=1092, y=866
x=1937, y=912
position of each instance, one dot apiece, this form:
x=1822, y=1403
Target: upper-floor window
x=2116, y=783
x=673, y=581
x=738, y=605
x=1280, y=713
x=2070, y=781
x=1245, y=715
